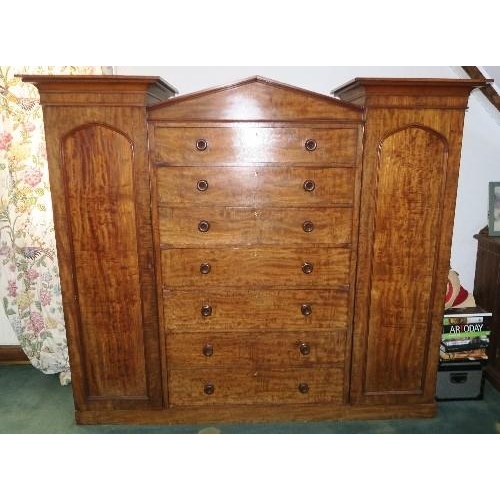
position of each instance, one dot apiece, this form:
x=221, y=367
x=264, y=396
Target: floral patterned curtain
x=29, y=278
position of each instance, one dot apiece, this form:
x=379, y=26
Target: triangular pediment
x=254, y=99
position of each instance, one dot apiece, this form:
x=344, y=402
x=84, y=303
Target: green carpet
x=33, y=403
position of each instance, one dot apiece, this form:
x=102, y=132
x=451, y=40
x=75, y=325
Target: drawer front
x=248, y=350
x=183, y=227
x=255, y=186
x=256, y=267
x=208, y=386
x=245, y=144
x=247, y=310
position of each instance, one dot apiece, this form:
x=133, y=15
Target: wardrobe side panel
x=411, y=172
x=98, y=165
x=99, y=178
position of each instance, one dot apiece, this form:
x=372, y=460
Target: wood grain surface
x=256, y=267
x=278, y=349
x=255, y=186
x=245, y=145
x=278, y=386
x=253, y=179
x=260, y=310
x=254, y=226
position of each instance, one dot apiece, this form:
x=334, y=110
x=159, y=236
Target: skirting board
x=12, y=354
x=262, y=413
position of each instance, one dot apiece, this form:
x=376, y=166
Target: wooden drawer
x=246, y=386
x=180, y=227
x=249, y=144
x=256, y=267
x=251, y=350
x=248, y=310
x=255, y=186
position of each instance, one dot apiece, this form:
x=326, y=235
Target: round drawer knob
x=308, y=226
x=206, y=311
x=310, y=145
x=304, y=349
x=306, y=309
x=202, y=185
x=303, y=388
x=208, y=350
x=307, y=268
x=201, y=144
x=309, y=185
x=205, y=268
x=209, y=389
x=204, y=226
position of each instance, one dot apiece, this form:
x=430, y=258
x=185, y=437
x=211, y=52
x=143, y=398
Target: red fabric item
x=461, y=297
x=449, y=291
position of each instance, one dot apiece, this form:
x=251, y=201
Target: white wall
x=481, y=147
x=480, y=164
x=317, y=78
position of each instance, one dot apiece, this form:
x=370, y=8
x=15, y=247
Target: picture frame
x=494, y=209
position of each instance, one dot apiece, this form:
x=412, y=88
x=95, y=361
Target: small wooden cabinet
x=248, y=252
x=487, y=295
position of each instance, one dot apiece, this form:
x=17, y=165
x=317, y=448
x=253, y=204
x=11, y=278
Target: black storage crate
x=460, y=380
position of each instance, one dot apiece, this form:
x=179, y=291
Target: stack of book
x=466, y=334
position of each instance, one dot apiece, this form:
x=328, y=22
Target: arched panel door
x=99, y=185
x=407, y=224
